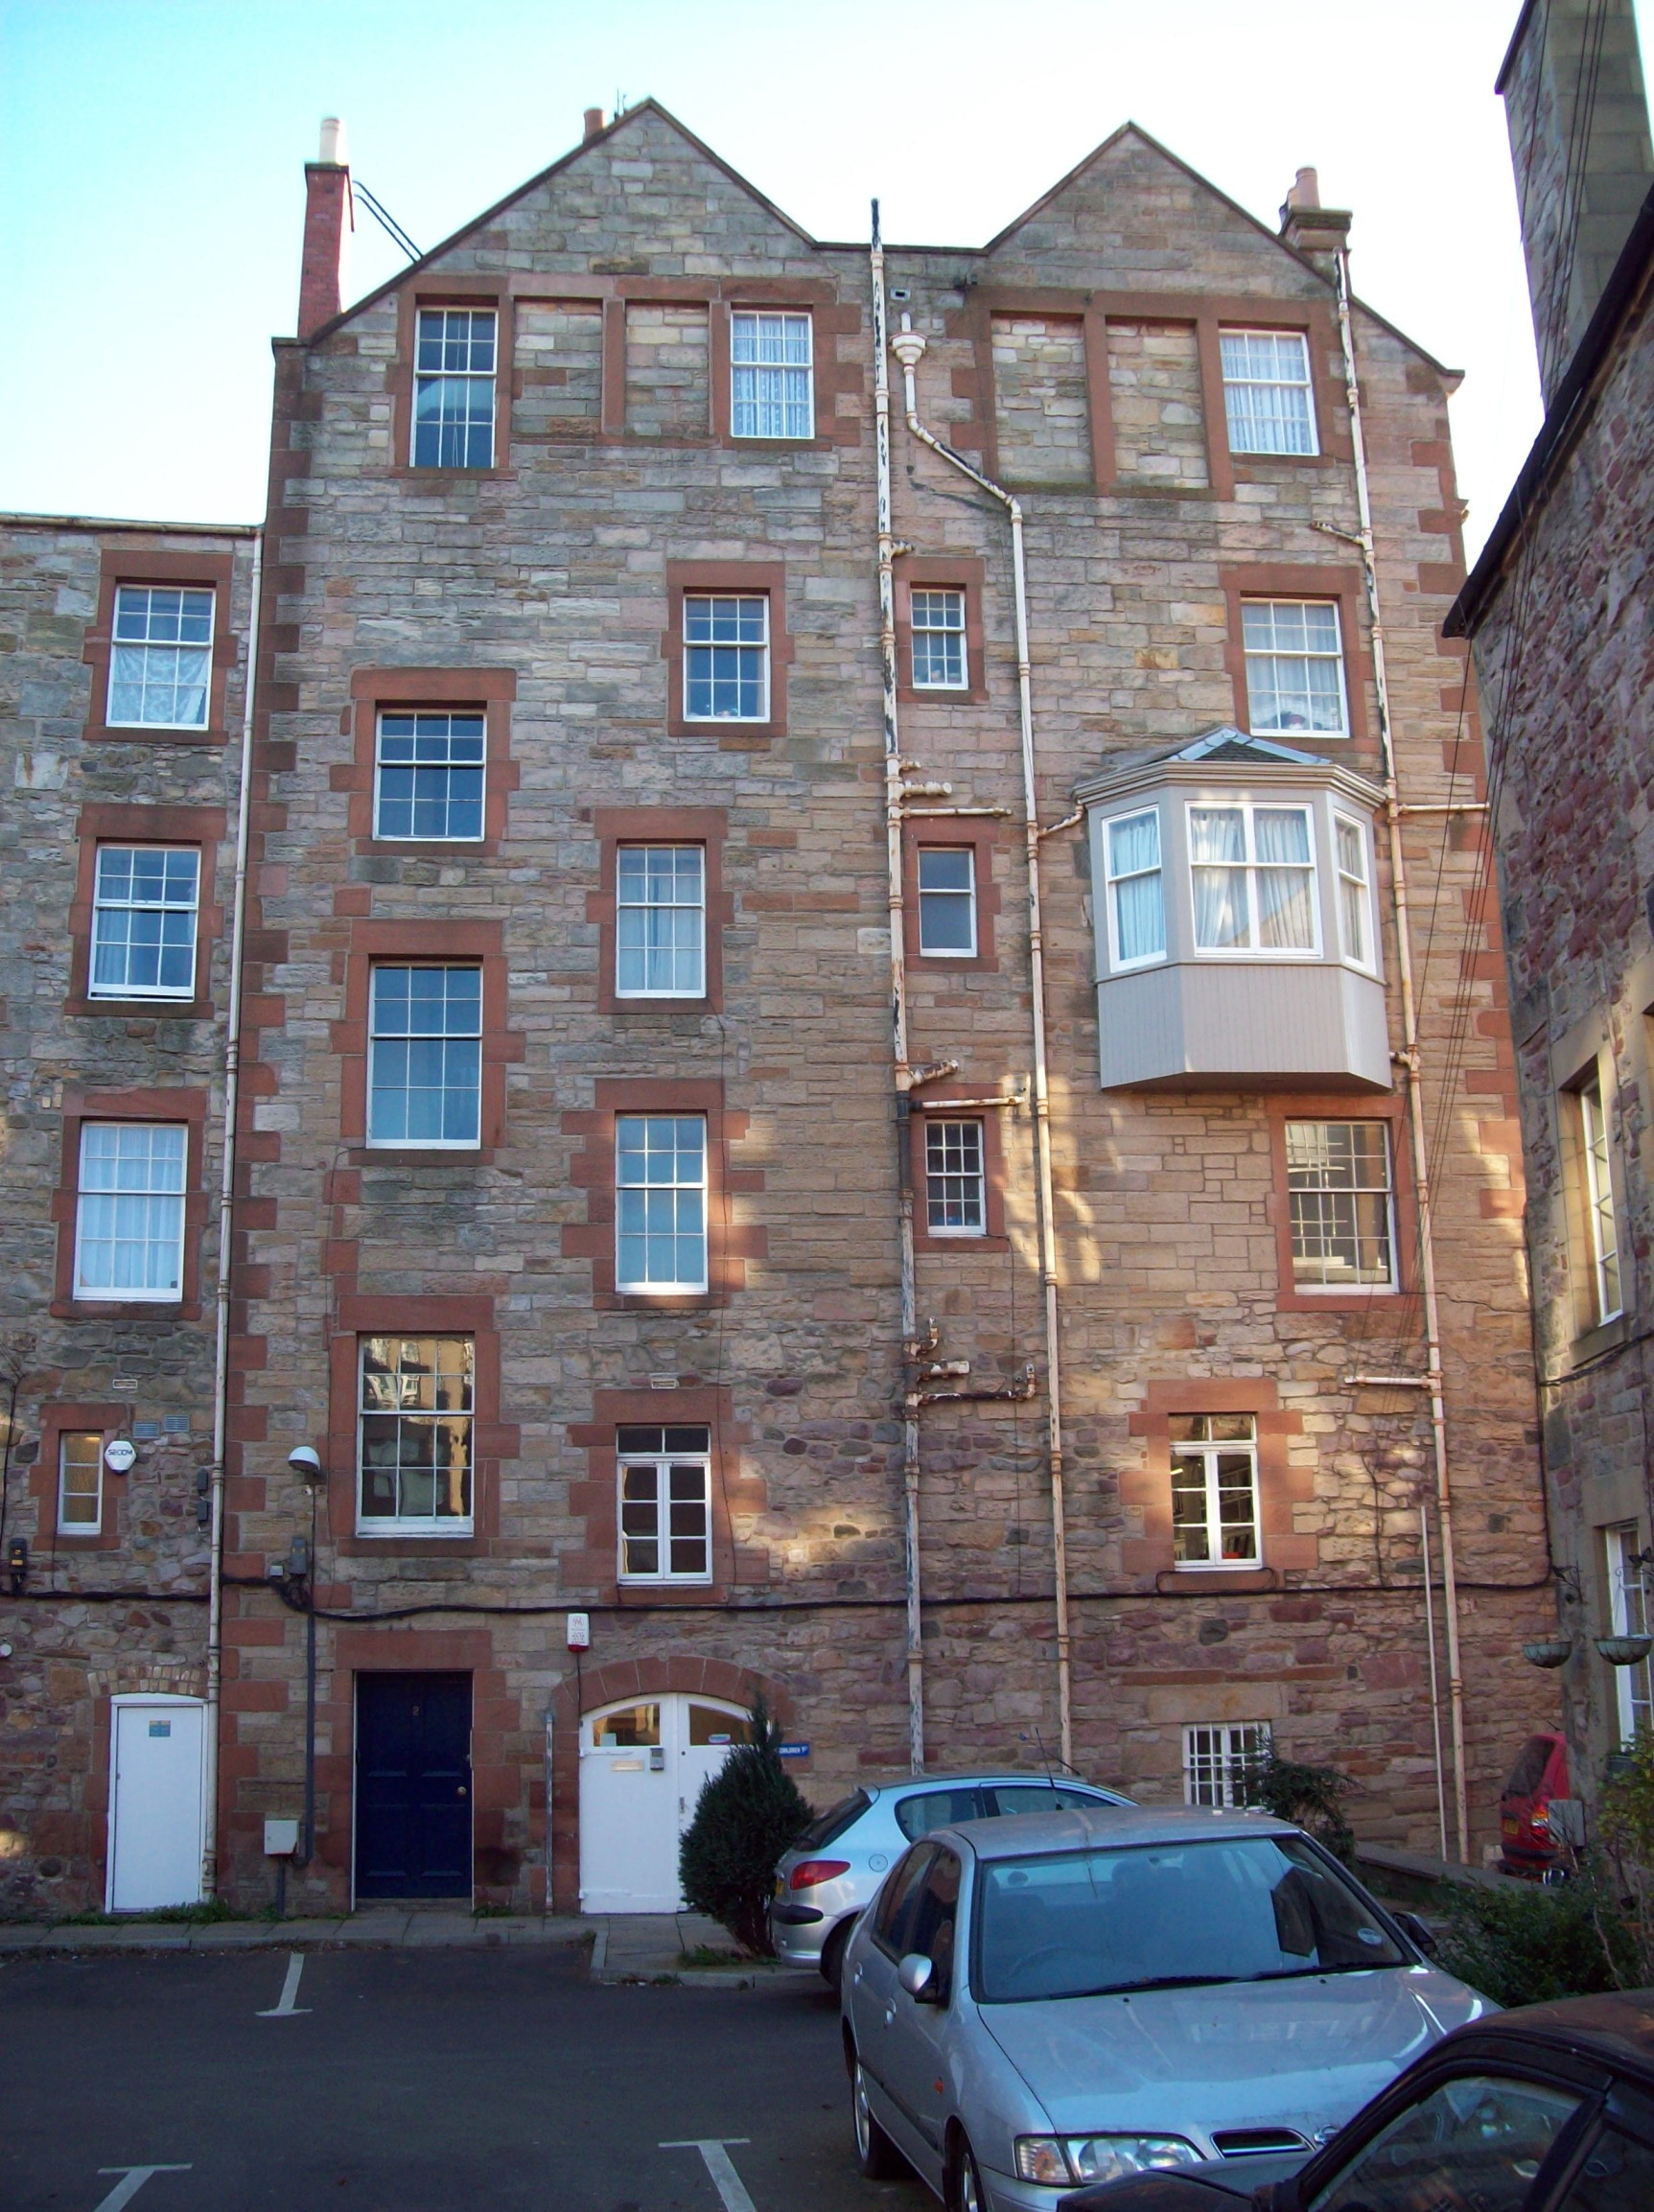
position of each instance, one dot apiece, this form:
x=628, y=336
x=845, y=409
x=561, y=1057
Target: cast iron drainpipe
x=908, y=345
x=227, y=1212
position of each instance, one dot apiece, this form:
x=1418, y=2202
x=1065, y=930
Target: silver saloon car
x=831, y=1874
x=1035, y=2004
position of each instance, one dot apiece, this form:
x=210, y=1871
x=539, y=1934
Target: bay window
x=1253, y=872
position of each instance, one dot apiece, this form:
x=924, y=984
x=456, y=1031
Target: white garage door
x=642, y=1767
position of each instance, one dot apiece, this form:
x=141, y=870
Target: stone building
x=717, y=1232
x=1559, y=608
x=121, y=694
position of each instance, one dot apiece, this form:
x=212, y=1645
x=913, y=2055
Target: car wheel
x=832, y=1955
x=875, y=2153
x=965, y=2192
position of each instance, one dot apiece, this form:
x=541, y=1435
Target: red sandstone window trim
x=490, y=690
x=937, y=1105
x=951, y=574
x=707, y=827
x=768, y=578
x=730, y=1245
x=450, y=943
x=199, y=827
x=186, y=1106
x=595, y=1569
x=1343, y=587
x=63, y=1416
x=213, y=573
x=470, y=291
x=985, y=841
x=1343, y=1106
x=1145, y=1489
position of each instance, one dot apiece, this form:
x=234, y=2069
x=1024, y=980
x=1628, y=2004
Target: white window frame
x=417, y=715
x=1217, y=1755
x=968, y=951
x=1210, y=1451
x=660, y=1288
x=1118, y=963
x=1304, y=384
x=392, y=1038
x=647, y=906
x=372, y=1525
x=1356, y=1288
x=760, y=646
x=102, y=905
x=66, y=1527
x=424, y=378
x=1366, y=960
x=928, y=629
x=1249, y=807
x=746, y=328
x=122, y=1295
x=1628, y=1615
x=1249, y=654
x=1596, y=1190
x=147, y=645
x=938, y=1124
x=662, y=1463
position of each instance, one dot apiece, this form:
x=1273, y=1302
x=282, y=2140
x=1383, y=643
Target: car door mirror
x=1423, y=1936
x=916, y=1974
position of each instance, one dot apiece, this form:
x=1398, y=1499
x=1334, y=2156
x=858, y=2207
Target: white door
x=156, y=1829
x=642, y=1767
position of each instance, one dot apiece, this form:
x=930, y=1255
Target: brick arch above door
x=681, y=1675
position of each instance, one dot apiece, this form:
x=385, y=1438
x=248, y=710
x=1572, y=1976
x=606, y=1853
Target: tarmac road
x=413, y=2081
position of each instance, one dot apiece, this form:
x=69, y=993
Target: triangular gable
x=1227, y=743
x=544, y=176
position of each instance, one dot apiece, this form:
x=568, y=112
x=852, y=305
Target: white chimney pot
x=332, y=146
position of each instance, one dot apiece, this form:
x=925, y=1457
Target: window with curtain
x=771, y=394
x=660, y=1202
x=160, y=659
x=1136, y=890
x=660, y=921
x=143, y=905
x=130, y=1211
x=1295, y=668
x=1266, y=391
x=1253, y=877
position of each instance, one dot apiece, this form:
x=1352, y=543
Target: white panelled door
x=642, y=1767
x=157, y=1748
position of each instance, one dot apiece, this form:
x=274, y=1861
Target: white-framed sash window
x=665, y=1502
x=726, y=656
x=455, y=360
x=1628, y=1615
x=1339, y=1186
x=1253, y=870
x=660, y=1202
x=1266, y=391
x=947, y=901
x=1215, y=1519
x=425, y=1055
x=772, y=392
x=80, y=1482
x=1220, y=1761
x=416, y=1410
x=1136, y=891
x=1601, y=1227
x=160, y=657
x=144, y=905
x=1357, y=937
x=1294, y=660
x=130, y=1211
x=428, y=776
x=955, y=1177
x=941, y=659
x=661, y=922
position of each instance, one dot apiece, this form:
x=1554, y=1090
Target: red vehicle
x=1540, y=1774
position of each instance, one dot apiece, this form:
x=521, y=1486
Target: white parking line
x=133, y=2180
x=285, y=2009
x=732, y=2191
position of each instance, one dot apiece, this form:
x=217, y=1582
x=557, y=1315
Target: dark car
x=1540, y=1774
x=1549, y=2108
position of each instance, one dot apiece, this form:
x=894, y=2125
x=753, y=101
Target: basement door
x=157, y=1806
x=642, y=1767
x=413, y=1785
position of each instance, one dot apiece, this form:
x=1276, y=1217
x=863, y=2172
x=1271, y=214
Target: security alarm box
x=579, y=1633
x=281, y=1838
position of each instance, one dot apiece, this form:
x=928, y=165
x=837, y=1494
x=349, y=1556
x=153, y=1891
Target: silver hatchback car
x=831, y=1872
x=1035, y=2004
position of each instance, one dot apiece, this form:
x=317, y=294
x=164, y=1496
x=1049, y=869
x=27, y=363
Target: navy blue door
x=413, y=1785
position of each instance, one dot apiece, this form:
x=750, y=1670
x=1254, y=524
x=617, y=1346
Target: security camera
x=305, y=1462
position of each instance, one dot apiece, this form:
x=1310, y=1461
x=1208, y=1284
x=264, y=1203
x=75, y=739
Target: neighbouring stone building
x=1559, y=610
x=574, y=1155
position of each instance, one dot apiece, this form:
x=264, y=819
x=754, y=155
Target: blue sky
x=154, y=151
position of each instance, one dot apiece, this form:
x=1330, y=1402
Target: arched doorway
x=643, y=1762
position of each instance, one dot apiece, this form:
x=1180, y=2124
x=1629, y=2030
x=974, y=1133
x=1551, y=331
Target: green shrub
x=1523, y=1945
x=746, y=1816
x=1310, y=1797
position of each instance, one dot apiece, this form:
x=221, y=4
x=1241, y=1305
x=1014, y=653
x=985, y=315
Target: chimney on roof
x=1575, y=107
x=593, y=123
x=1310, y=228
x=329, y=218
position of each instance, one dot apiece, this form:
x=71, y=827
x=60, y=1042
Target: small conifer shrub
x=746, y=1816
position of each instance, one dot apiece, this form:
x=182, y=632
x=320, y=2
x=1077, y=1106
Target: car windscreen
x=827, y=1827
x=1528, y=1772
x=1233, y=1909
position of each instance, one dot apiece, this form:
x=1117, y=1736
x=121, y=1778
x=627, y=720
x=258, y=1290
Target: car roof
x=1616, y=2029
x=894, y=1779
x=1109, y=1826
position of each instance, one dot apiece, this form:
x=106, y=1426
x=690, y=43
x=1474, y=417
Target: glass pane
x=634, y=1726
x=917, y=1816
x=708, y=1726
x=1475, y=2141
x=1617, y=2175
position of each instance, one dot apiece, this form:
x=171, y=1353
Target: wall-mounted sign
x=794, y=1750
x=119, y=1455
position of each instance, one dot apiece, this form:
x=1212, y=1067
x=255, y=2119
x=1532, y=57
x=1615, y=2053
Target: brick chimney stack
x=328, y=219
x=1315, y=231
x=594, y=124
x=1573, y=75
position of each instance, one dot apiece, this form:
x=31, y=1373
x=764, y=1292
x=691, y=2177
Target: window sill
x=152, y=734
x=405, y=1533
x=124, y=1309
x=1294, y=1300
x=1605, y=1337
x=133, y=1009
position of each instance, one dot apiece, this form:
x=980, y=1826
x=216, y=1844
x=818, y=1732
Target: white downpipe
x=1410, y=1058
x=226, y=1211
x=908, y=345
x=892, y=808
